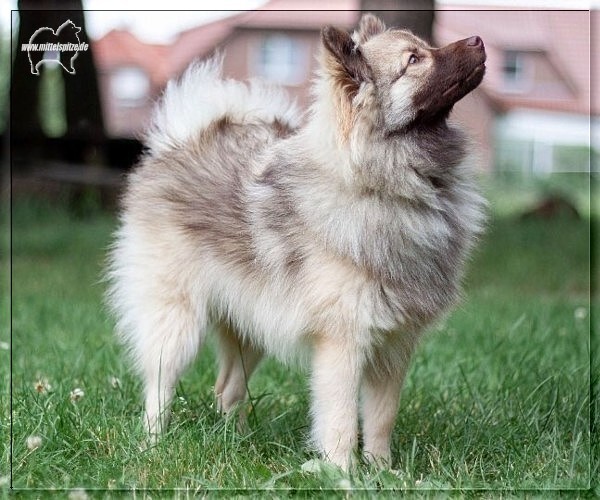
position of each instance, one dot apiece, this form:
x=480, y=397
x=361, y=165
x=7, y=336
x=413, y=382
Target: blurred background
x=533, y=115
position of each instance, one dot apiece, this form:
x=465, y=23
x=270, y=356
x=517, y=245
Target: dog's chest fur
x=402, y=225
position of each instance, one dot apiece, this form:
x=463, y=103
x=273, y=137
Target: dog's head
x=70, y=26
x=413, y=82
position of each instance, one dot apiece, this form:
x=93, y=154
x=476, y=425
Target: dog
x=336, y=242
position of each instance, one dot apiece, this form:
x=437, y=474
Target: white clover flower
x=42, y=386
x=580, y=313
x=76, y=394
x=115, y=383
x=34, y=442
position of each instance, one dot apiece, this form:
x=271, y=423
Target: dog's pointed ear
x=368, y=27
x=346, y=54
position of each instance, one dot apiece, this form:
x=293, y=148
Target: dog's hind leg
x=175, y=331
x=237, y=361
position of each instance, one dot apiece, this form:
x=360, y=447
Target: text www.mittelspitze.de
x=53, y=47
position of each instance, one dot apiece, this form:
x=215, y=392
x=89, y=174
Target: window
x=513, y=70
x=130, y=86
x=282, y=59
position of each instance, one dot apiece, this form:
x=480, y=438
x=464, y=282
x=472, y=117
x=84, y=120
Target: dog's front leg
x=336, y=374
x=380, y=396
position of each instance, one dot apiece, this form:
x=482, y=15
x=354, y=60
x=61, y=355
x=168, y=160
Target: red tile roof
x=121, y=48
x=200, y=42
x=309, y=14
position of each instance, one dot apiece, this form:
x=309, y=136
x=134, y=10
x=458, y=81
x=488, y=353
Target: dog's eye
x=413, y=59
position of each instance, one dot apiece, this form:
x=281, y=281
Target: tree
x=83, y=112
x=415, y=15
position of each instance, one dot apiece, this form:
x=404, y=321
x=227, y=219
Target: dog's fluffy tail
x=202, y=97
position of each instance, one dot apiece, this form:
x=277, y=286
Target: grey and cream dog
x=336, y=242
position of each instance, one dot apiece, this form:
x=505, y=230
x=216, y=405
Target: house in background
x=131, y=75
x=270, y=43
x=531, y=113
x=534, y=110
x=276, y=45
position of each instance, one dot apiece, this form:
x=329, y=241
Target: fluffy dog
x=337, y=242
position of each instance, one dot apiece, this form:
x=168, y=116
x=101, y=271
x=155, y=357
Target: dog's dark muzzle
x=458, y=69
x=460, y=66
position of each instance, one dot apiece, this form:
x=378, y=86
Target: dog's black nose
x=475, y=41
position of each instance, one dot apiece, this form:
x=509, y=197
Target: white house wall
x=529, y=138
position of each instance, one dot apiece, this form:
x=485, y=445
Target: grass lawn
x=497, y=398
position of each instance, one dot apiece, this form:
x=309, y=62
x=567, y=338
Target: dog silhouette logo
x=62, y=46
